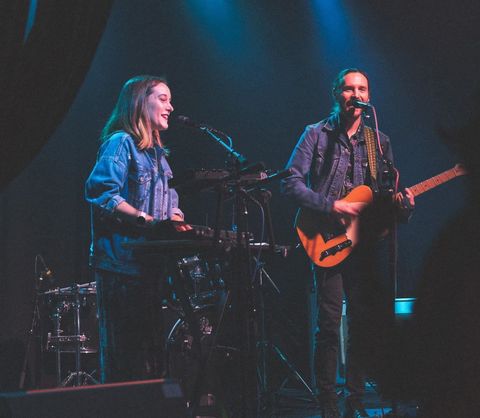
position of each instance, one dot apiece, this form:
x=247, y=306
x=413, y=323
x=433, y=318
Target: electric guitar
x=328, y=242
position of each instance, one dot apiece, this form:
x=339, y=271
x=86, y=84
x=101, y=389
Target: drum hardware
x=206, y=370
x=64, y=303
x=198, y=287
x=180, y=286
x=70, y=300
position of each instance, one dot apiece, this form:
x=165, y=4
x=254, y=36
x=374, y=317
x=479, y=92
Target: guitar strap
x=369, y=136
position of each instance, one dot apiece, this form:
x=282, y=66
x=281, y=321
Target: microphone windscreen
x=185, y=120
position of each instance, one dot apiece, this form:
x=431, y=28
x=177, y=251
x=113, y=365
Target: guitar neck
x=435, y=181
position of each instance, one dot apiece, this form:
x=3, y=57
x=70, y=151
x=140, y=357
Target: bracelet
x=142, y=218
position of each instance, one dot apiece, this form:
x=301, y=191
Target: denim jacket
x=320, y=161
x=139, y=177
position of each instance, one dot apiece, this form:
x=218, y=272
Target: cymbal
x=81, y=289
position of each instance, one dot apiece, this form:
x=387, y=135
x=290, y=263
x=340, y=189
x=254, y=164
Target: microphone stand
x=237, y=156
x=393, y=267
x=259, y=345
x=33, y=327
x=46, y=273
x=243, y=304
x=239, y=297
x=252, y=348
x=390, y=178
x=393, y=273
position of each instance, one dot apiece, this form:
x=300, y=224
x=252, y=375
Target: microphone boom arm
x=239, y=157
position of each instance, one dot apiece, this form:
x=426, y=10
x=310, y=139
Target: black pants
x=130, y=326
x=368, y=318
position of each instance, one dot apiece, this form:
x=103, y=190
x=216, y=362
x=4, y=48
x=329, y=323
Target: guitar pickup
x=335, y=249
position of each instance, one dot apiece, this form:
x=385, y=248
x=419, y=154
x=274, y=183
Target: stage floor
x=294, y=403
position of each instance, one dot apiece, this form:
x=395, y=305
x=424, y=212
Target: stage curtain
x=41, y=73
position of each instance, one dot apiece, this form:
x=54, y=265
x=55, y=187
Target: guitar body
x=328, y=243
x=325, y=241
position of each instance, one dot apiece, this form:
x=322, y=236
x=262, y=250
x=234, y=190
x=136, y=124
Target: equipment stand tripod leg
x=264, y=343
x=294, y=371
x=267, y=347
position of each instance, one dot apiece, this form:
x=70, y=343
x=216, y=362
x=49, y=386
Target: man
x=330, y=160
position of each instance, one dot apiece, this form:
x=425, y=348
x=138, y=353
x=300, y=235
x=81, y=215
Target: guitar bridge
x=335, y=249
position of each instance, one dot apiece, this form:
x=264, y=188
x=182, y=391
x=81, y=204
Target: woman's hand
x=181, y=225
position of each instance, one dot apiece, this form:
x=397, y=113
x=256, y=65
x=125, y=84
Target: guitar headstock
x=460, y=170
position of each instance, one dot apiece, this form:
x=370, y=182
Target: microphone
x=46, y=273
x=279, y=175
x=361, y=105
x=253, y=168
x=185, y=120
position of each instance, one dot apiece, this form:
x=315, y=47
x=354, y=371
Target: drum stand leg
x=58, y=354
x=78, y=377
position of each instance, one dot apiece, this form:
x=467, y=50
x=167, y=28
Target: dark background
x=260, y=71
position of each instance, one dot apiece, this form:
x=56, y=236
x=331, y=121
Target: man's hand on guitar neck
x=406, y=201
x=405, y=204
x=347, y=211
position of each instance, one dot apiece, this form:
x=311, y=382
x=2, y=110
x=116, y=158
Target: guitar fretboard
x=437, y=180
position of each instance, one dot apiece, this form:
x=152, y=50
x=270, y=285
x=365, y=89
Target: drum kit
x=72, y=326
x=204, y=347
x=212, y=340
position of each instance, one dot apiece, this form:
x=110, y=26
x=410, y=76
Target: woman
x=128, y=183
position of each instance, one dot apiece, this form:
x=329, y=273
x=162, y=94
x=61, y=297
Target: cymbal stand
x=33, y=328
x=243, y=304
x=41, y=276
x=250, y=302
x=265, y=346
x=78, y=377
